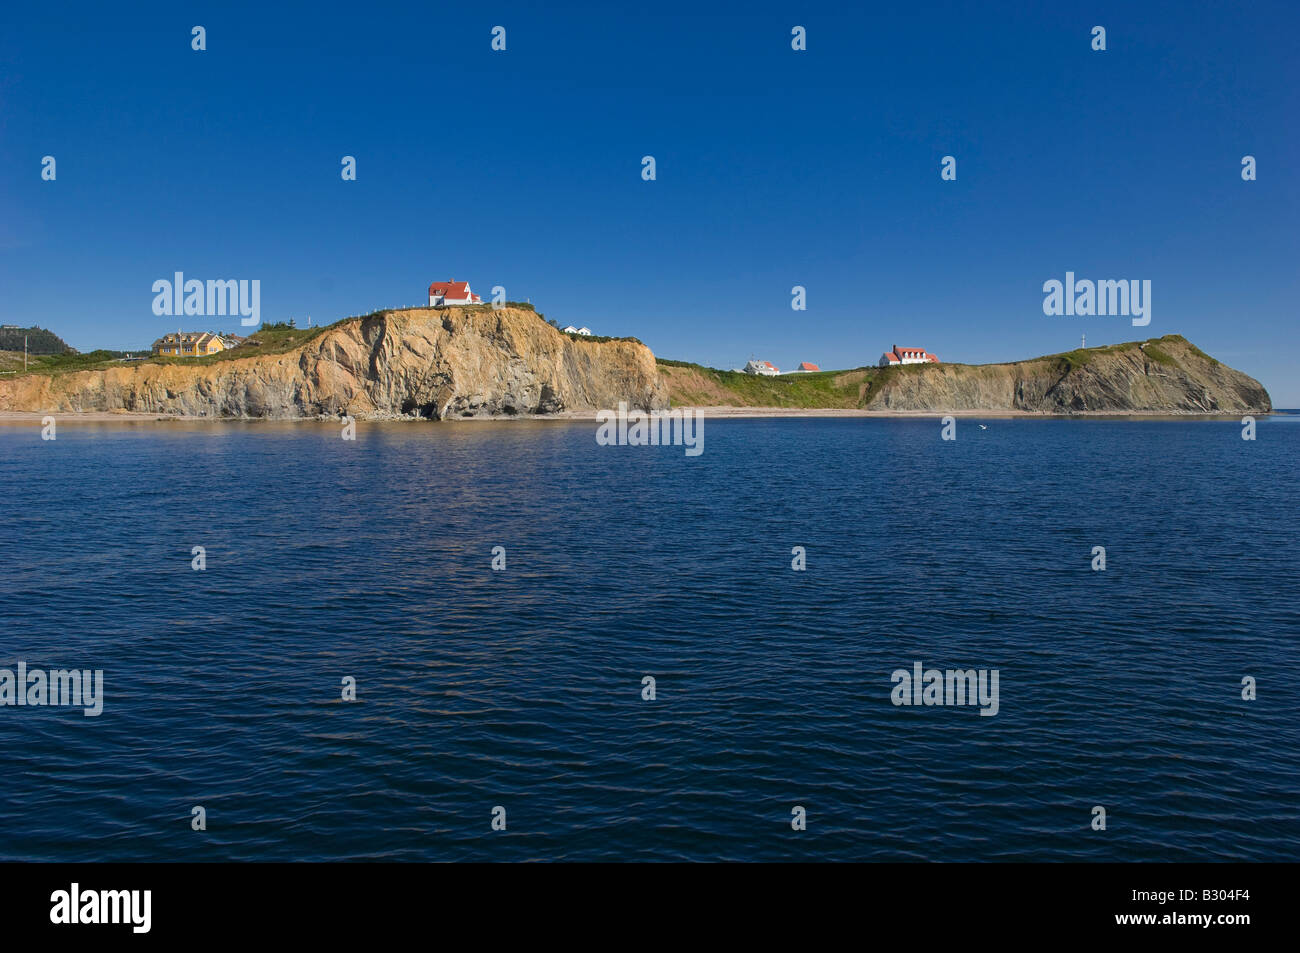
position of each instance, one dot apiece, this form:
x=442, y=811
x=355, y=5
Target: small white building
x=570, y=329
x=444, y=293
x=765, y=368
x=586, y=332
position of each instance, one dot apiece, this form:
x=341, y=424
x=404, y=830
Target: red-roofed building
x=765, y=368
x=443, y=293
x=907, y=355
x=805, y=367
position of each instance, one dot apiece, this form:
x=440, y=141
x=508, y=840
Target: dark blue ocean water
x=522, y=688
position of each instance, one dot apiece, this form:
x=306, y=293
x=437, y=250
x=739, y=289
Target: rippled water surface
x=522, y=688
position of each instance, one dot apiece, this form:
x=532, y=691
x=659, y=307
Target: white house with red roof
x=907, y=355
x=805, y=368
x=443, y=293
x=766, y=368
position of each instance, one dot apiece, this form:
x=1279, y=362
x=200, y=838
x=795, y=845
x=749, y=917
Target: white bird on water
x=982, y=427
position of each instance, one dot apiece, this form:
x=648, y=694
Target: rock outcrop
x=1167, y=375
x=435, y=363
x=476, y=362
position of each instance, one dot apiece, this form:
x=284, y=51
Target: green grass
x=600, y=338
x=1191, y=347
x=1081, y=356
x=67, y=363
x=877, y=381
x=274, y=339
x=1159, y=356
x=821, y=389
x=813, y=389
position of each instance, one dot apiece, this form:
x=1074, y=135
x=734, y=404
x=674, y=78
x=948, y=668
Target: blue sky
x=775, y=168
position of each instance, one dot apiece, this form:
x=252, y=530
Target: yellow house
x=189, y=344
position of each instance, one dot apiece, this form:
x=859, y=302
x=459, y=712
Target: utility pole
x=24, y=354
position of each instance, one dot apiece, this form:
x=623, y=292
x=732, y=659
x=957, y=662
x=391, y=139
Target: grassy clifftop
x=411, y=362
x=1160, y=375
x=693, y=384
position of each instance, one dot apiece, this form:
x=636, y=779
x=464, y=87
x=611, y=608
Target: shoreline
x=720, y=412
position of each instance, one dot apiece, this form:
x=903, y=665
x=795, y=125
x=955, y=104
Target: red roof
x=918, y=351
x=455, y=290
x=805, y=366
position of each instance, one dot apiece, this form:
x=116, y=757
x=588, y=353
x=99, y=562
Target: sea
x=504, y=641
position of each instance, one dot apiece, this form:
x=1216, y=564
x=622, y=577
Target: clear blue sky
x=775, y=169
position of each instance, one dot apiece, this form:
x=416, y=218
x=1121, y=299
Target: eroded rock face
x=1168, y=375
x=436, y=363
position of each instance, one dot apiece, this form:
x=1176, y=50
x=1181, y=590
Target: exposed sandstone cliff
x=467, y=362
x=438, y=363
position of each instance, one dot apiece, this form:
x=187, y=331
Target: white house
x=443, y=293
x=766, y=368
x=570, y=329
x=585, y=331
x=907, y=355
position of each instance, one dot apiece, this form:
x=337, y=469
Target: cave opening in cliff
x=428, y=411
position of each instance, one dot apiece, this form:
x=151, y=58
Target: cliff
x=436, y=363
x=1168, y=375
x=469, y=362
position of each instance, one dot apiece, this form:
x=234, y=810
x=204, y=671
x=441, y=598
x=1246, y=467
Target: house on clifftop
x=907, y=355
x=189, y=344
x=444, y=293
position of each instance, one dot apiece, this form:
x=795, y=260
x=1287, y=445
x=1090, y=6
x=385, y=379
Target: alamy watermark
x=209, y=299
x=922, y=686
x=660, y=428
x=1102, y=298
x=58, y=687
x=128, y=907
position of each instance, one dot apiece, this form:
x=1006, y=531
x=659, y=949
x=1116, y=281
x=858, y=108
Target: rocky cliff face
x=1164, y=375
x=436, y=363
x=468, y=362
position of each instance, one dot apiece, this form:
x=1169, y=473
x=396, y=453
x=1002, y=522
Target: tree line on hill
x=39, y=341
